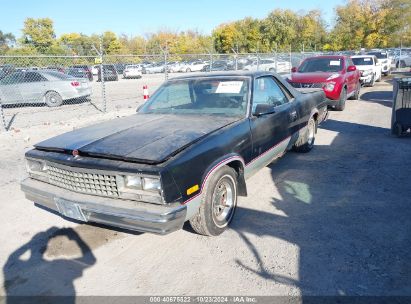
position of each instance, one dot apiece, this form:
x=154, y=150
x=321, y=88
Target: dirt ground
x=335, y=221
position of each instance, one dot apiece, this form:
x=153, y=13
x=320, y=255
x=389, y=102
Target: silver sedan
x=48, y=87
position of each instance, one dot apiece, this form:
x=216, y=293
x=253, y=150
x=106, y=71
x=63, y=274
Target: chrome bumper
x=138, y=216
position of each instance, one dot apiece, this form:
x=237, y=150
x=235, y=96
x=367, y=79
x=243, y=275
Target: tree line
x=358, y=23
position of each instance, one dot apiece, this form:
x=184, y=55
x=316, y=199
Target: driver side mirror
x=294, y=70
x=263, y=109
x=351, y=68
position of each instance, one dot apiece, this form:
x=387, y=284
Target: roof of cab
x=224, y=74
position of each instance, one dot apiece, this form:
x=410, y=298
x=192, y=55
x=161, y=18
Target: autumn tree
x=39, y=33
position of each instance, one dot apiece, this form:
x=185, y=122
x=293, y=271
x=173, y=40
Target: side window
x=33, y=77
x=267, y=91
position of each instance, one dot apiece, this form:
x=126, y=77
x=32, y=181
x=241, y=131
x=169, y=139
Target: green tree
x=39, y=33
x=6, y=40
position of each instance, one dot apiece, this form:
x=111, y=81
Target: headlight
x=142, y=188
x=329, y=86
x=367, y=72
x=37, y=169
x=133, y=182
x=151, y=184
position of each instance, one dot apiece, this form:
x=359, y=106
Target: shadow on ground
x=347, y=206
x=30, y=271
x=381, y=97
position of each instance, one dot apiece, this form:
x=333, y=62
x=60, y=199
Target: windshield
x=226, y=96
x=321, y=65
x=362, y=61
x=379, y=55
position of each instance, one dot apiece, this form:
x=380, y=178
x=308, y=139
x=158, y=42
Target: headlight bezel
x=139, y=191
x=40, y=172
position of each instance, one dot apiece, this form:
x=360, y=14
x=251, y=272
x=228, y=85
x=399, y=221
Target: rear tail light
x=75, y=83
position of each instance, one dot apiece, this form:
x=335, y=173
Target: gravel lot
x=335, y=221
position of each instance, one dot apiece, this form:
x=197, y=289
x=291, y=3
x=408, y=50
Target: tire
x=398, y=129
x=379, y=78
x=401, y=64
x=210, y=219
x=53, y=99
x=357, y=92
x=372, y=83
x=305, y=142
x=343, y=98
x=188, y=70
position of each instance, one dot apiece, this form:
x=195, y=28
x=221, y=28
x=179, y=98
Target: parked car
x=109, y=71
x=86, y=68
x=77, y=72
x=41, y=86
x=268, y=65
x=403, y=60
x=218, y=65
x=336, y=75
x=55, y=68
x=175, y=67
x=193, y=66
x=184, y=156
x=383, y=60
x=132, y=71
x=369, y=67
x=120, y=67
x=154, y=68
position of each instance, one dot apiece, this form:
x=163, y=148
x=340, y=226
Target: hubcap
x=223, y=201
x=53, y=98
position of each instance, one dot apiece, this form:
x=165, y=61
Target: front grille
x=307, y=85
x=84, y=182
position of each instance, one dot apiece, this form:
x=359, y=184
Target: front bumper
x=366, y=79
x=127, y=214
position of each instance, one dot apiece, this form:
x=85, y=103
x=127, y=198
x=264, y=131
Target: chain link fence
x=37, y=90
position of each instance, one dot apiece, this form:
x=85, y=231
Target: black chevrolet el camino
x=184, y=156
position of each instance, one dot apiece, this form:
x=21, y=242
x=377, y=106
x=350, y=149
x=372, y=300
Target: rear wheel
x=218, y=203
x=53, y=99
x=305, y=142
x=188, y=70
x=341, y=103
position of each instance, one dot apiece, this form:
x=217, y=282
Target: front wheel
x=53, y=99
x=356, y=95
x=218, y=203
x=341, y=102
x=305, y=142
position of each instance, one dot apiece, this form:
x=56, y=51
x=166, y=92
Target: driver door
x=270, y=132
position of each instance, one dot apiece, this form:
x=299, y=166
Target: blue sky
x=142, y=17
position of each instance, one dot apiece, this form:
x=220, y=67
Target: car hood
x=311, y=77
x=145, y=138
x=364, y=67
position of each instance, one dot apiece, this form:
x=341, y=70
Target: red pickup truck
x=336, y=75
